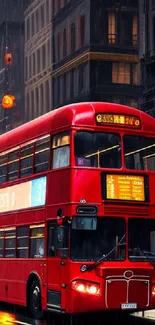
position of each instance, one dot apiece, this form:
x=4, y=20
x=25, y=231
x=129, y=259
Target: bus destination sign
x=125, y=187
x=118, y=119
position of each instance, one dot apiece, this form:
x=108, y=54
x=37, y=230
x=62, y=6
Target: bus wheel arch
x=33, y=296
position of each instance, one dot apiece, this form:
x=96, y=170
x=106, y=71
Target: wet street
x=10, y=315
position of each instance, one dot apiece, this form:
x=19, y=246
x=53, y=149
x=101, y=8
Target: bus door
x=57, y=275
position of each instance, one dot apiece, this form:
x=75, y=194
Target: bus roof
x=79, y=114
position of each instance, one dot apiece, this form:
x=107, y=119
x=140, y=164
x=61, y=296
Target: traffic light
x=8, y=101
x=8, y=58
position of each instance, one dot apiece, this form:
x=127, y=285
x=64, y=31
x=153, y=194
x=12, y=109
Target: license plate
x=129, y=306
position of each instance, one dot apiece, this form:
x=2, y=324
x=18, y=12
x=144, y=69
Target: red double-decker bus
x=77, y=207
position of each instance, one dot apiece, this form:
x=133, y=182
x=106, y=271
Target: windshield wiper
x=85, y=267
x=149, y=259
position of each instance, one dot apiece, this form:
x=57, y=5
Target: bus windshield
x=141, y=239
x=91, y=243
x=97, y=149
x=139, y=152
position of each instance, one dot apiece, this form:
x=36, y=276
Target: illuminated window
x=121, y=73
x=61, y=150
x=37, y=238
x=73, y=37
x=64, y=43
x=135, y=31
x=22, y=241
x=135, y=74
x=112, y=28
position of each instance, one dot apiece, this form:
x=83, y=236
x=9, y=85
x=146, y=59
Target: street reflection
x=7, y=318
x=20, y=318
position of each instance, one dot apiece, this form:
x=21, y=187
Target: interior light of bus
x=86, y=287
x=153, y=290
x=119, y=119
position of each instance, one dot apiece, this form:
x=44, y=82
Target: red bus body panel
x=65, y=188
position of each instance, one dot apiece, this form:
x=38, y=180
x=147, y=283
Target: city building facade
x=12, y=76
x=147, y=54
x=95, y=51
x=38, y=58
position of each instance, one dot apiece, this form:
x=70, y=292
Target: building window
x=32, y=103
x=38, y=60
x=135, y=74
x=73, y=31
x=44, y=56
x=41, y=99
x=121, y=73
x=72, y=87
x=28, y=28
x=42, y=16
x=47, y=11
x=37, y=21
x=59, y=4
x=81, y=78
x=58, y=90
x=135, y=31
x=47, y=96
x=58, y=47
x=34, y=63
x=32, y=24
x=26, y=64
x=37, y=100
x=48, y=52
x=64, y=87
x=30, y=67
x=64, y=43
x=112, y=28
x=82, y=30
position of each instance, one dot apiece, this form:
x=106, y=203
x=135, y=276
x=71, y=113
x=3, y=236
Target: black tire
x=35, y=305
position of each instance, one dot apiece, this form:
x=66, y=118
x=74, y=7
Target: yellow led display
x=119, y=119
x=125, y=187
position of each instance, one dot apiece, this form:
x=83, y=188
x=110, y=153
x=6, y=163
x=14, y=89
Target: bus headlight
x=86, y=287
x=153, y=290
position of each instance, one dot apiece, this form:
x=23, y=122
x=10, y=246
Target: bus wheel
x=35, y=300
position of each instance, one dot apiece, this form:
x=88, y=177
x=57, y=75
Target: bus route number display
x=125, y=187
x=118, y=119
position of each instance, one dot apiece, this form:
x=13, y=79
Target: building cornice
x=114, y=57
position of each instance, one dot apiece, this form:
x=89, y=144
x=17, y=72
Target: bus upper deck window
x=94, y=149
x=139, y=152
x=61, y=150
